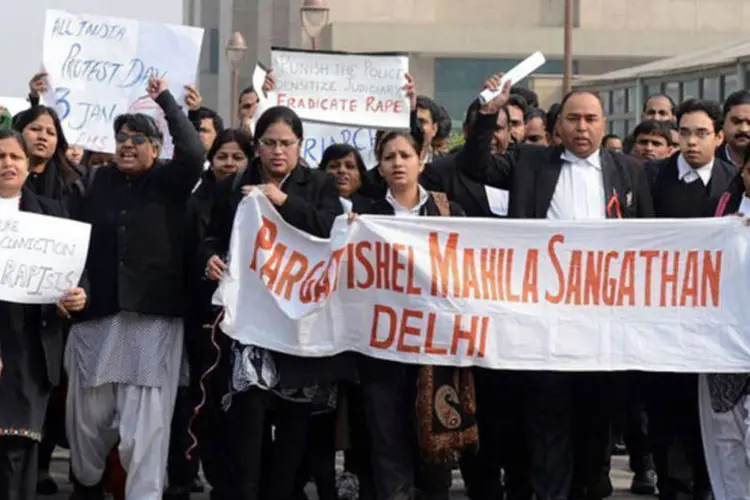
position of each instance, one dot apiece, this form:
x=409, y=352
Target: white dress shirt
x=346, y=205
x=688, y=174
x=400, y=211
x=579, y=194
x=744, y=206
x=11, y=204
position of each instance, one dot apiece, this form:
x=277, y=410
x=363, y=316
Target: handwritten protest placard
x=346, y=89
x=41, y=257
x=99, y=67
x=654, y=295
x=318, y=136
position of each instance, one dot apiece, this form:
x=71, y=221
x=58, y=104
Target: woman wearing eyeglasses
x=308, y=200
x=124, y=358
x=725, y=398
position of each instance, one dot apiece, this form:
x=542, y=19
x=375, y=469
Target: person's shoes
x=644, y=483
x=45, y=485
x=602, y=489
x=197, y=486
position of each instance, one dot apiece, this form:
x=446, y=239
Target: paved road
x=620, y=477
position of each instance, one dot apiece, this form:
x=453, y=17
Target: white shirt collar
x=398, y=209
x=688, y=174
x=593, y=160
x=744, y=207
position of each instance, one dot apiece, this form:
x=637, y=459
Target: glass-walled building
x=709, y=74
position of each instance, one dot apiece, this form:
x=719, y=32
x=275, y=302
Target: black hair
x=519, y=102
x=553, y=113
x=231, y=135
x=610, y=136
x=338, y=151
x=65, y=172
x=532, y=113
x=444, y=124
x=572, y=93
x=204, y=113
x=531, y=98
x=245, y=91
x=390, y=135
x=736, y=99
x=653, y=127
x=13, y=134
x=278, y=114
x=140, y=124
x=672, y=104
x=710, y=108
x=424, y=102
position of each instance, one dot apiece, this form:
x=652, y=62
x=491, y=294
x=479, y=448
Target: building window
x=458, y=80
x=729, y=84
x=711, y=89
x=691, y=89
x=629, y=100
x=618, y=128
x=618, y=102
x=606, y=98
x=672, y=89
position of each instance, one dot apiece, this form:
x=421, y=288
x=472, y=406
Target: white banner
x=346, y=89
x=14, y=104
x=99, y=67
x=41, y=257
x=654, y=295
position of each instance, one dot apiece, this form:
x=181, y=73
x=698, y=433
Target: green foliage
x=456, y=139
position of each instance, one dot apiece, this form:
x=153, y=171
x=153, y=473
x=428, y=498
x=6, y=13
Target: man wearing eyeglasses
x=682, y=186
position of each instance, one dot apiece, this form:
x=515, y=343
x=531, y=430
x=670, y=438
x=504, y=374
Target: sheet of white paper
x=497, y=200
x=515, y=75
x=259, y=76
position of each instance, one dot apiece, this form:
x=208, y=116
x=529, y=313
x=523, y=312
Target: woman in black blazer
x=31, y=342
x=308, y=200
x=403, y=460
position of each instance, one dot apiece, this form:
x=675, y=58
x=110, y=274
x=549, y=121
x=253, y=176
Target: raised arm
x=183, y=171
x=479, y=163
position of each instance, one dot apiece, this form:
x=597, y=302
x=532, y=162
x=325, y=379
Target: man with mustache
x=736, y=128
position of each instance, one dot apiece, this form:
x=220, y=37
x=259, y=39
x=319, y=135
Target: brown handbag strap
x=442, y=203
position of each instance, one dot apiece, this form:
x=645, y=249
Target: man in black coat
x=568, y=415
x=683, y=186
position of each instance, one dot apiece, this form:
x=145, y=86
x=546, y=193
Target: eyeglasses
x=273, y=144
x=137, y=139
x=700, y=133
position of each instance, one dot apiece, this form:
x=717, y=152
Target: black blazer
x=736, y=191
x=530, y=173
x=373, y=370
x=721, y=176
x=42, y=320
x=135, y=260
